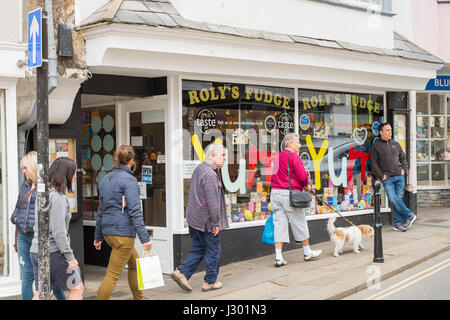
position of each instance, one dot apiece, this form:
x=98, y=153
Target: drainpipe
x=52, y=83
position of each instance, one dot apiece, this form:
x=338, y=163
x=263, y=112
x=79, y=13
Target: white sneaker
x=280, y=263
x=313, y=254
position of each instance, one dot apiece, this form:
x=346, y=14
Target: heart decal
x=360, y=135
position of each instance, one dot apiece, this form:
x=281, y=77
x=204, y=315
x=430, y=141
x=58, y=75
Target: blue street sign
x=35, y=38
x=439, y=83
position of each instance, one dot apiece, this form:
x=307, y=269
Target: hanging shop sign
x=441, y=83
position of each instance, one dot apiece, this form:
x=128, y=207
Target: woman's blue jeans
x=26, y=268
x=395, y=188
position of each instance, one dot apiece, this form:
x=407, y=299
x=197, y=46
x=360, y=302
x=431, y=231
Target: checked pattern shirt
x=206, y=202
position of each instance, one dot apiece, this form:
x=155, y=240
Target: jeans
x=26, y=267
x=122, y=253
x=204, y=246
x=395, y=188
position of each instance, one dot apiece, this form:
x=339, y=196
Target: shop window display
x=251, y=121
x=433, y=125
x=98, y=136
x=336, y=132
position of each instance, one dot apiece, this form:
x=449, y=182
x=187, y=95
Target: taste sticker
x=206, y=120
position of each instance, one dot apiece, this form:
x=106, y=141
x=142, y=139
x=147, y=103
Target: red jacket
x=299, y=176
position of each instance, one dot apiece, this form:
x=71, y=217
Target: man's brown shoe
x=213, y=286
x=181, y=280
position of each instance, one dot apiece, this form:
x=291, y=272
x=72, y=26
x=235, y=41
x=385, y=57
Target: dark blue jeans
x=204, y=246
x=395, y=188
x=26, y=267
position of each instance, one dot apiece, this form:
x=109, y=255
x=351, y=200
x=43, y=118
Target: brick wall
x=433, y=198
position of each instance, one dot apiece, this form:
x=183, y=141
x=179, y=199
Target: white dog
x=351, y=234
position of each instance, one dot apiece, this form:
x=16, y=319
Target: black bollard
x=378, y=242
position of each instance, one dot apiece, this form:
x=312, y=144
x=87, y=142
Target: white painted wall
x=11, y=21
x=300, y=17
x=403, y=20
x=84, y=8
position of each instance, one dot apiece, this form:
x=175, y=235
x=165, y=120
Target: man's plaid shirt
x=206, y=202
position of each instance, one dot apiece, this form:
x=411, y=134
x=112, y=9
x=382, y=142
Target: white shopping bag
x=149, y=272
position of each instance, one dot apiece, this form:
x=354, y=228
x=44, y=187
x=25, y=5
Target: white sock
x=307, y=250
x=278, y=255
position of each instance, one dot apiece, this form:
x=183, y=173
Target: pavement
x=325, y=278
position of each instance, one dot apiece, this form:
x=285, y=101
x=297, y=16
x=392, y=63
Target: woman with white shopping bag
x=119, y=218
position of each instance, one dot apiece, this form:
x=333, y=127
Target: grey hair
x=288, y=139
x=213, y=148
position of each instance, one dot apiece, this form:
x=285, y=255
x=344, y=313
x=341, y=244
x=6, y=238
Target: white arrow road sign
x=35, y=38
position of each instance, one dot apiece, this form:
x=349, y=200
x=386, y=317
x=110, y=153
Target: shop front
x=433, y=143
x=336, y=131
x=246, y=90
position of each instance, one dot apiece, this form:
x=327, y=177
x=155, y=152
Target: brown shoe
x=213, y=286
x=181, y=280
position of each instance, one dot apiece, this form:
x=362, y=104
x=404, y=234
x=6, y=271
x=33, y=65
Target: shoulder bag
x=297, y=199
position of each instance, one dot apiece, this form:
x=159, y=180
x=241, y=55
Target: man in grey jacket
x=388, y=162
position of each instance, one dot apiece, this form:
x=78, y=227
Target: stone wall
x=433, y=198
x=63, y=13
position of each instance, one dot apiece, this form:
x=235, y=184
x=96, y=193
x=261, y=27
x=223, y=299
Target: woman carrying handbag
x=283, y=184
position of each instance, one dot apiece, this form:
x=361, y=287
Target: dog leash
x=330, y=207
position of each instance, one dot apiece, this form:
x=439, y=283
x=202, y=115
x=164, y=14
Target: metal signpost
x=37, y=57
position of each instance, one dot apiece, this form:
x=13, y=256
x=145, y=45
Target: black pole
x=378, y=242
x=42, y=159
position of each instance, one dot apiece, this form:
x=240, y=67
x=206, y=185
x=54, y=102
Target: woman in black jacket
x=24, y=218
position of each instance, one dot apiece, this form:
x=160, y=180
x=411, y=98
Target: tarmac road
x=429, y=280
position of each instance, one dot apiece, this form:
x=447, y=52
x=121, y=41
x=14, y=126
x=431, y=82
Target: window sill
x=257, y=223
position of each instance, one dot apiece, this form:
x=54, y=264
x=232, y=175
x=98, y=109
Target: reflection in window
x=349, y=124
x=251, y=121
x=423, y=176
x=422, y=103
x=438, y=174
x=422, y=150
x=422, y=123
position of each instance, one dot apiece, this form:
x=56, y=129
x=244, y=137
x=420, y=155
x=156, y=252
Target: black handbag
x=297, y=199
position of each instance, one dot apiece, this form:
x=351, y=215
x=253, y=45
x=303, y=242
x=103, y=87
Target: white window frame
x=429, y=139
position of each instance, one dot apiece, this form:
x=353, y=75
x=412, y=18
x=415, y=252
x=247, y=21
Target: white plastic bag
x=149, y=272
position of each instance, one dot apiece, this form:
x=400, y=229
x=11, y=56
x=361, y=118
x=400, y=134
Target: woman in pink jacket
x=283, y=213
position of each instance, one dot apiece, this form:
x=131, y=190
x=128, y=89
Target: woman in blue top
x=24, y=217
x=119, y=218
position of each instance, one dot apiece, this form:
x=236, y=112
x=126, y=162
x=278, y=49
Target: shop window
x=336, y=133
x=423, y=174
x=251, y=121
x=98, y=139
x=433, y=126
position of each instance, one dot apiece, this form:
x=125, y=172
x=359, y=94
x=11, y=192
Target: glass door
x=143, y=126
x=147, y=139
